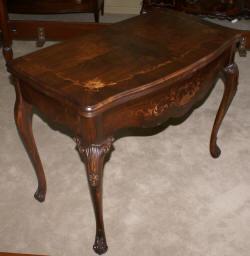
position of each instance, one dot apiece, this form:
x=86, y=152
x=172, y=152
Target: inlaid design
x=175, y=97
x=97, y=83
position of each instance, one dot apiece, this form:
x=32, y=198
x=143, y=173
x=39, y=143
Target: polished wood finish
x=229, y=9
x=136, y=73
x=45, y=30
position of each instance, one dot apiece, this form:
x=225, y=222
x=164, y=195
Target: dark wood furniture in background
x=154, y=70
x=41, y=30
x=56, y=6
x=223, y=9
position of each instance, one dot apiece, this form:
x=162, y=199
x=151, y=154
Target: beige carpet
x=163, y=194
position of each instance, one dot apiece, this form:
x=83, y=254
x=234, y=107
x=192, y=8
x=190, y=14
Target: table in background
x=42, y=30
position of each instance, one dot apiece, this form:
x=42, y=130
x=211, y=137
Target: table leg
x=231, y=74
x=97, y=16
x=102, y=8
x=93, y=156
x=242, y=47
x=6, y=36
x=23, y=118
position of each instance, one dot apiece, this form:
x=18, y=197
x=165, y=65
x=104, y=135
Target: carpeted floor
x=163, y=194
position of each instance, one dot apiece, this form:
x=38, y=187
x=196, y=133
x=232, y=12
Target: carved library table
x=136, y=73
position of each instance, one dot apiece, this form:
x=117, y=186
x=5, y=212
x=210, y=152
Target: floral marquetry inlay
x=175, y=97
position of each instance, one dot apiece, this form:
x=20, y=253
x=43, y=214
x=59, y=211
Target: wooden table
x=136, y=73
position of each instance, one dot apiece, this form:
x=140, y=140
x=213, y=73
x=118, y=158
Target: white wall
x=123, y=6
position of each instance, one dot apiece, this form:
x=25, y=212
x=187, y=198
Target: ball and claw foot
x=215, y=152
x=100, y=245
x=40, y=195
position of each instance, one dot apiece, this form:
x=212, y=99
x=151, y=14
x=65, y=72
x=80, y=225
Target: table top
x=127, y=58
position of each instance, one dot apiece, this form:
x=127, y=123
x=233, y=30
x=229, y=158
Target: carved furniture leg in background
x=97, y=16
x=96, y=10
x=6, y=37
x=40, y=37
x=231, y=74
x=93, y=156
x=242, y=47
x=102, y=8
x=23, y=118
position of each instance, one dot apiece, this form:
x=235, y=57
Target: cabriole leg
x=93, y=156
x=231, y=74
x=23, y=118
